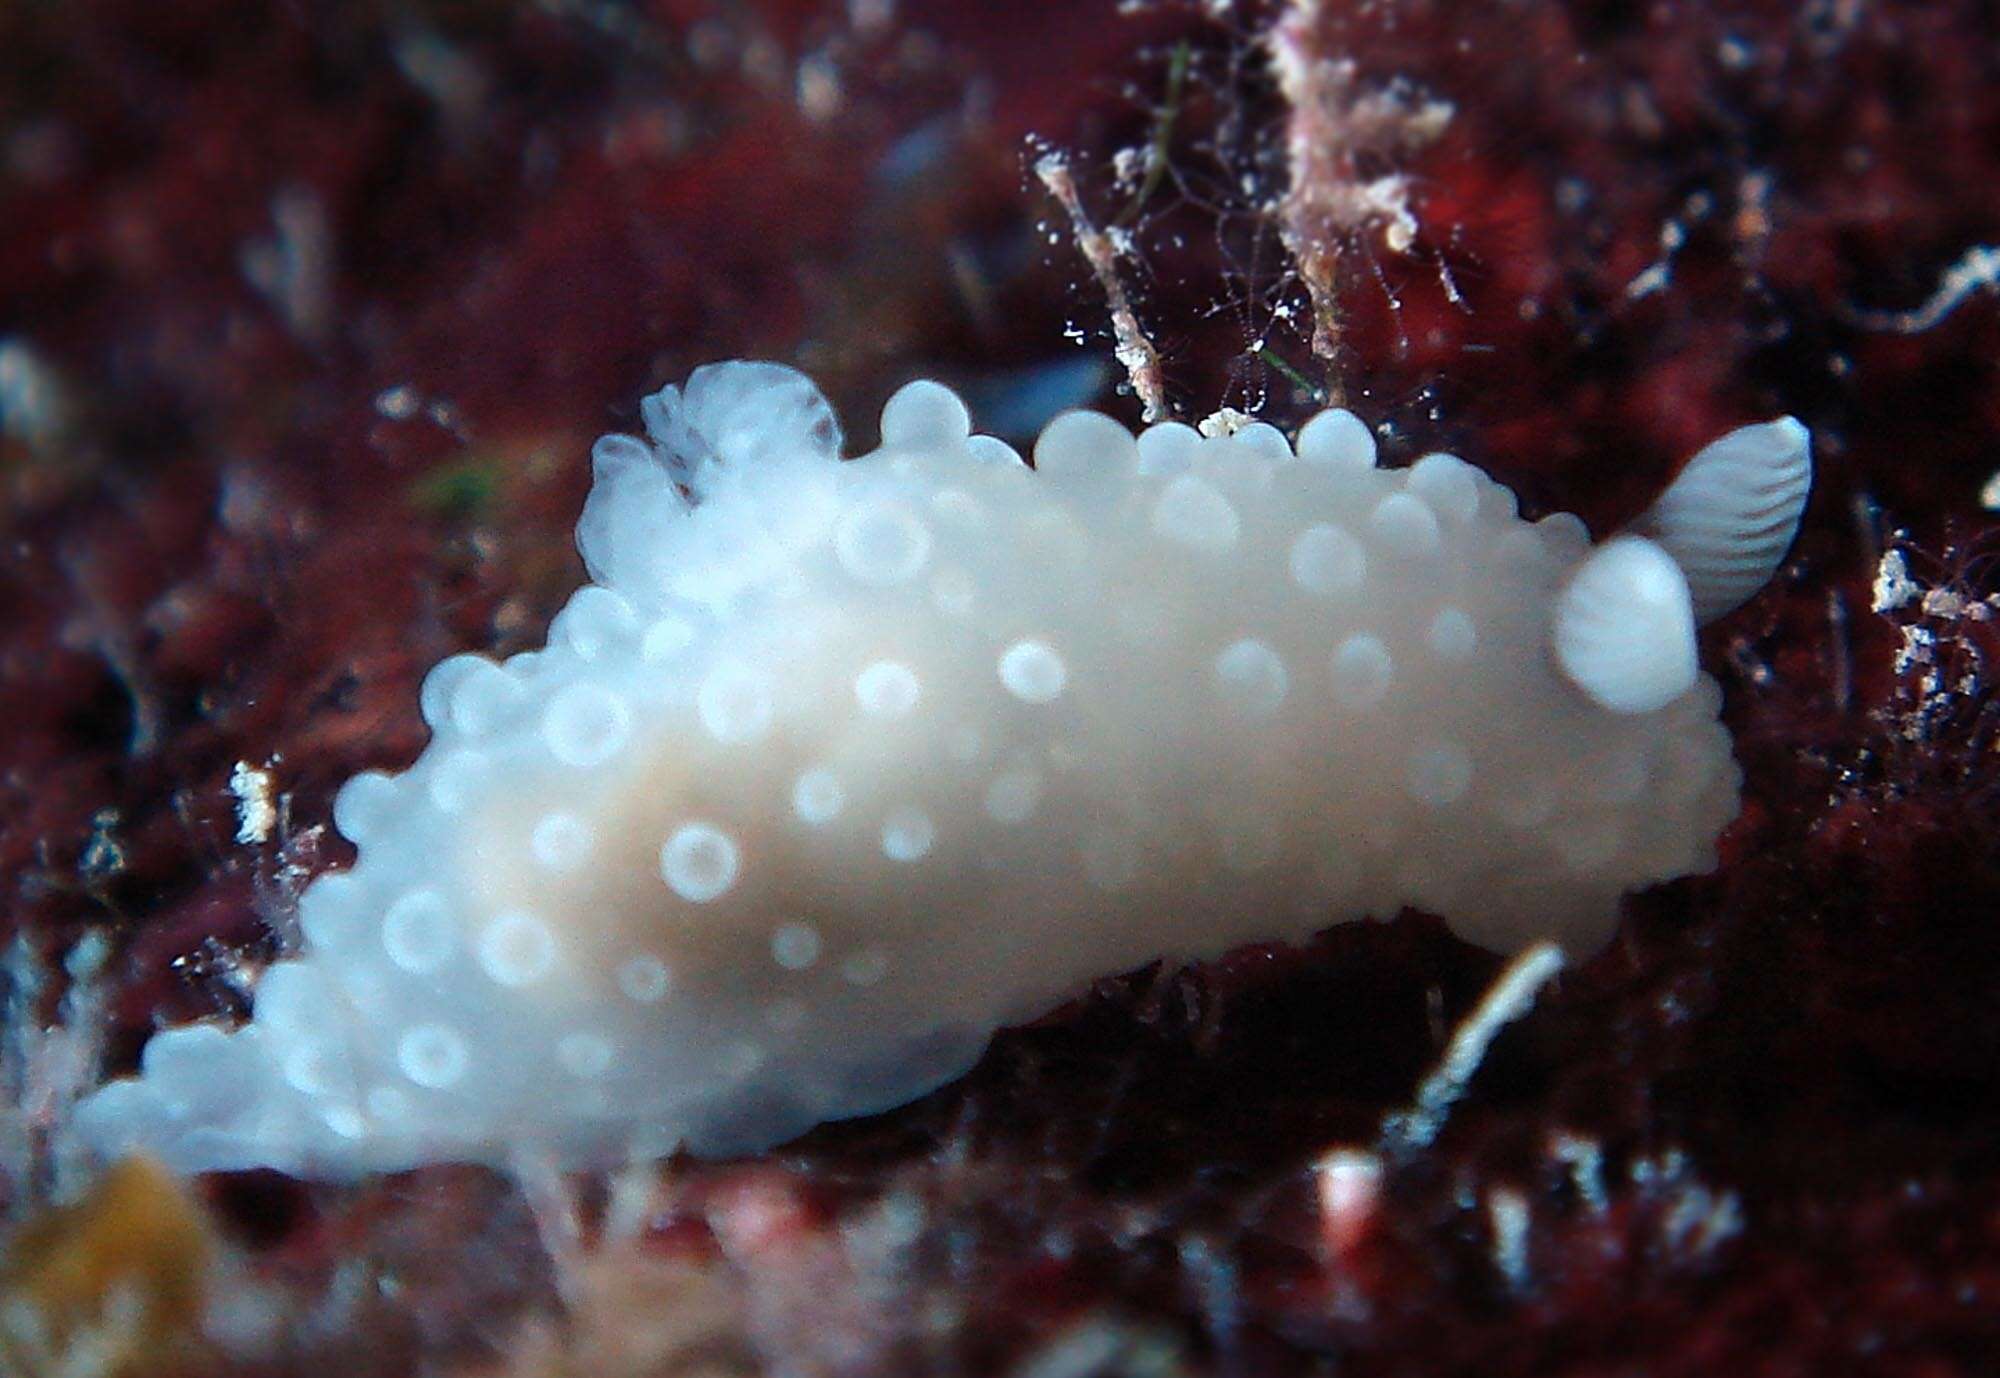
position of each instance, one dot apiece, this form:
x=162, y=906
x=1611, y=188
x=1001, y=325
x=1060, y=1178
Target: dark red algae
x=308, y=313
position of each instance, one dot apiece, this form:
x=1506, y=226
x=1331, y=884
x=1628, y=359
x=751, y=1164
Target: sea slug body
x=835, y=767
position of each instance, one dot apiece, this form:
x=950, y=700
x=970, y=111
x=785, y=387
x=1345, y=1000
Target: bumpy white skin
x=842, y=766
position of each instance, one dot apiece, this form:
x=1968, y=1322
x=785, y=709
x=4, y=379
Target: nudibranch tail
x=837, y=766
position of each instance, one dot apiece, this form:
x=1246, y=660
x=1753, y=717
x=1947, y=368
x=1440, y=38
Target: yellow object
x=111, y=1285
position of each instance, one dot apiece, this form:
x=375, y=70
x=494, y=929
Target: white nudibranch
x=836, y=767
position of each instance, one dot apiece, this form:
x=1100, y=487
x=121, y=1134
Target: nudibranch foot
x=836, y=766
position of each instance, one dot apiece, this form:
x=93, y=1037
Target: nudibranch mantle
x=835, y=767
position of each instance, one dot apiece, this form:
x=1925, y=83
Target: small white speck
x=1894, y=588
x=1251, y=678
x=1033, y=672
x=1362, y=670
x=735, y=703
x=644, y=978
x=795, y=946
x=1448, y=486
x=907, y=834
x=585, y=725
x=887, y=689
x=924, y=414
x=882, y=544
x=992, y=450
x=817, y=797
x=1404, y=527
x=387, y=1104
x=585, y=1054
x=593, y=621
x=1167, y=449
x=1507, y=1209
x=256, y=815
x=700, y=862
x=457, y=779
x=1337, y=440
x=1193, y=513
x=953, y=591
x=1919, y=648
x=1440, y=774
x=1328, y=562
x=1452, y=637
x=305, y=1070
x=958, y=506
x=345, y=1121
x=362, y=805
x=398, y=403
x=1013, y=795
x=418, y=931
x=1225, y=421
x=864, y=967
x=517, y=949
x=432, y=1055
x=482, y=695
x=560, y=842
x=665, y=640
x=34, y=406
x=741, y=1059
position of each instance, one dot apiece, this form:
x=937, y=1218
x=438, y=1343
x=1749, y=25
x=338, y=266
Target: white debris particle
x=454, y=79
x=1227, y=421
x=1943, y=603
x=294, y=266
x=1507, y=1210
x=1893, y=586
x=256, y=815
x=1511, y=996
x=1653, y=279
x=33, y=405
x=1701, y=1220
x=1389, y=199
x=1584, y=1157
x=1917, y=649
x=819, y=88
x=1989, y=493
x=398, y=403
x=870, y=16
x=1978, y=270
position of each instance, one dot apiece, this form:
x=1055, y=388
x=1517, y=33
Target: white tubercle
x=1733, y=511
x=836, y=766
